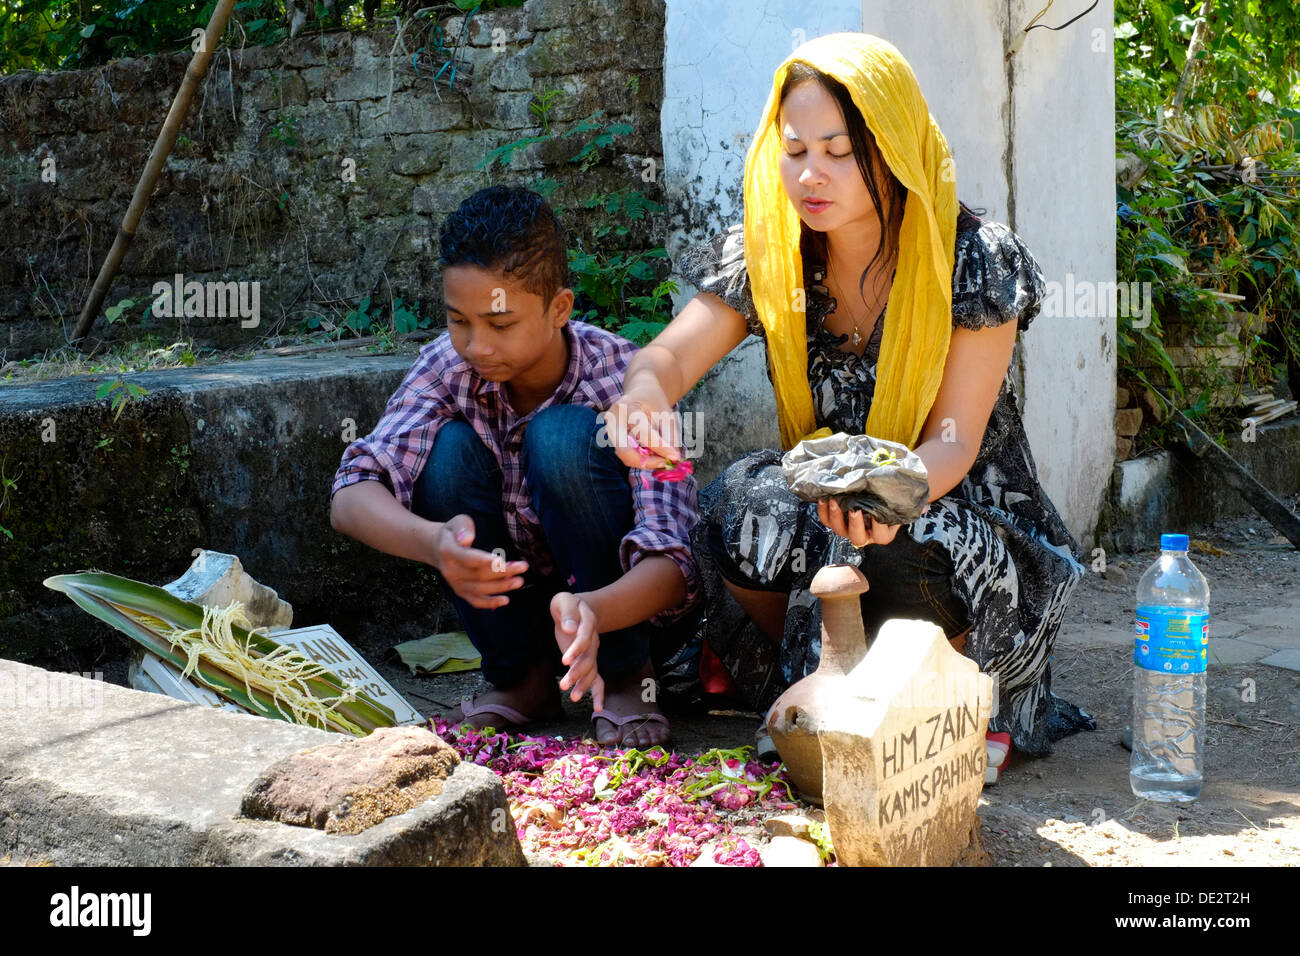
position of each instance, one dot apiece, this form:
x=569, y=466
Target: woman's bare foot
x=634, y=695
x=534, y=698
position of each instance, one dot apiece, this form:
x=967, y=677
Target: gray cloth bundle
x=881, y=478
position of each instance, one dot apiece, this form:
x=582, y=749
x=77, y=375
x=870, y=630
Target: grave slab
x=96, y=774
x=1230, y=650
x=1289, y=659
x=903, y=751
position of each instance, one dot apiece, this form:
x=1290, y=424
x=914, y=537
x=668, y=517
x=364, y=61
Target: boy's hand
x=480, y=577
x=577, y=634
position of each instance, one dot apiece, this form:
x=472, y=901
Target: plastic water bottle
x=1170, y=648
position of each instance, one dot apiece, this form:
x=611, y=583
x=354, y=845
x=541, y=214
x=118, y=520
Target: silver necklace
x=857, y=322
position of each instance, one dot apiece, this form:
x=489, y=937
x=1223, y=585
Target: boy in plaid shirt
x=491, y=464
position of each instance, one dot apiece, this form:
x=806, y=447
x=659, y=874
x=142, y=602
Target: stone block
x=350, y=786
x=1229, y=650
x=1152, y=404
x=512, y=111
x=1288, y=659
x=548, y=14
x=791, y=825
x=467, y=149
x=218, y=579
x=1122, y=397
x=509, y=72
x=99, y=775
x=903, y=751
x=289, y=89
x=508, y=25
x=411, y=114
x=294, y=54
x=358, y=84
x=325, y=126
x=790, y=851
x=1123, y=448
x=1127, y=422
x=420, y=154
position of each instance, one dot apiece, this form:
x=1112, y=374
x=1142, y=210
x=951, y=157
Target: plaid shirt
x=441, y=387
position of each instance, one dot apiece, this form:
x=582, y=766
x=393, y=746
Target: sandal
x=516, y=720
x=621, y=723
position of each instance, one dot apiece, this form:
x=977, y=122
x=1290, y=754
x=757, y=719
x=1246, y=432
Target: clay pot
x=794, y=718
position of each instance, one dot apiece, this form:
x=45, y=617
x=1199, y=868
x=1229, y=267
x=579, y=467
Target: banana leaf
x=109, y=598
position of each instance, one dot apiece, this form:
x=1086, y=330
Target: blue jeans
x=580, y=493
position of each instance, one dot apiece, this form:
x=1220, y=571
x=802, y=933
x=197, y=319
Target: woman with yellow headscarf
x=887, y=308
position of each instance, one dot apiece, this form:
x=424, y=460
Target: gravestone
x=903, y=751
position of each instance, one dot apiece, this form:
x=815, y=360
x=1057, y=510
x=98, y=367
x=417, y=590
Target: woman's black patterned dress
x=1006, y=560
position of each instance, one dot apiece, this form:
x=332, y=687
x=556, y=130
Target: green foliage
x=284, y=127
x=541, y=107
x=116, y=313
x=615, y=287
x=359, y=319
x=367, y=319
x=8, y=485
x=72, y=34
x=121, y=394
x=404, y=320
x=1214, y=208
x=179, y=458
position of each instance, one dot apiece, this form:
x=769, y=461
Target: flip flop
x=516, y=719
x=621, y=722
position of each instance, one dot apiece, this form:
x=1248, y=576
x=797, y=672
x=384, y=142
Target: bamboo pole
x=162, y=148
x=1186, y=80
x=1273, y=510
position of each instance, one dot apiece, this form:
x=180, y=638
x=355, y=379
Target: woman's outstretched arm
x=662, y=372
x=976, y=365
x=973, y=372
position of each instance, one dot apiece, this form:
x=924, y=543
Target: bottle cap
x=1173, y=542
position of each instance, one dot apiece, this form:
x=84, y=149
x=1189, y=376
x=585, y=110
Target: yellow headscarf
x=918, y=321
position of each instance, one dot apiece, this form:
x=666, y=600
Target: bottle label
x=1171, y=640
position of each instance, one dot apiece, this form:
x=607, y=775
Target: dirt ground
x=1075, y=807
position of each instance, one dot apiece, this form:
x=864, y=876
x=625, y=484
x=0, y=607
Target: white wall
x=1033, y=143
x=719, y=59
x=957, y=57
x=1063, y=92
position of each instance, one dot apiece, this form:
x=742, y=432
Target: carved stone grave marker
x=903, y=751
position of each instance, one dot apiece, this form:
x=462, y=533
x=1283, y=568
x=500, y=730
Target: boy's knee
x=458, y=461
x=562, y=425
x=560, y=444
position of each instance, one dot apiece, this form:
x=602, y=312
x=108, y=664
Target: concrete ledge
x=240, y=458
x=99, y=775
x=236, y=458
x=1175, y=490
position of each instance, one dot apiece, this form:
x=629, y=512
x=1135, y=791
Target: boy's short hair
x=512, y=229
